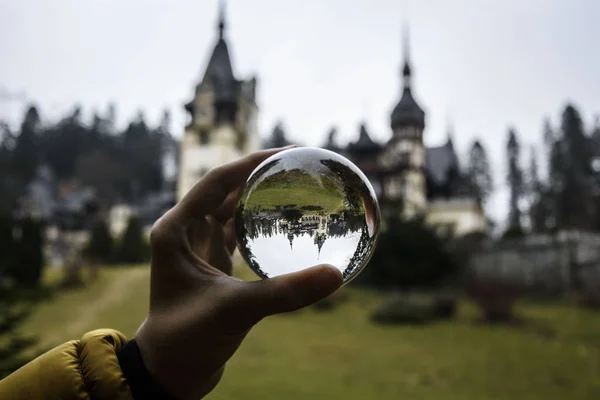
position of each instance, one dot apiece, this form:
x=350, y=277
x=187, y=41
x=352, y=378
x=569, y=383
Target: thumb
x=291, y=292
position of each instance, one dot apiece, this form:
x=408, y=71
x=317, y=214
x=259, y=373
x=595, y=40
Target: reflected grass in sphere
x=304, y=207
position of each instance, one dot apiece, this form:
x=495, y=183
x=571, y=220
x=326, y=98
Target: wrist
x=171, y=367
x=141, y=384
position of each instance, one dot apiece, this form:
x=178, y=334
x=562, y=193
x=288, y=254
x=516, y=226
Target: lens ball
x=304, y=207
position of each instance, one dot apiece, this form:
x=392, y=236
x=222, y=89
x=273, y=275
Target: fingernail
x=291, y=146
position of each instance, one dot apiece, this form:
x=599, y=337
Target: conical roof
x=407, y=112
x=219, y=72
x=364, y=144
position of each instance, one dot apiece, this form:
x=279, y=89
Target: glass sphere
x=304, y=207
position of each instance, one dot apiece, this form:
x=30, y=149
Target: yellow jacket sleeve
x=85, y=369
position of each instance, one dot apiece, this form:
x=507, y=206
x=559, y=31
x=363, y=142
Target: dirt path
x=85, y=315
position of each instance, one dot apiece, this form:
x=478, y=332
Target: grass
x=297, y=188
x=341, y=355
x=270, y=199
x=117, y=299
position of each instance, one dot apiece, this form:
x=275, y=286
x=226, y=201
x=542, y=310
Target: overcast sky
x=479, y=65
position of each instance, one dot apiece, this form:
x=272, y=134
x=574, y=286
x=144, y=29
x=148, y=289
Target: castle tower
x=404, y=155
x=222, y=123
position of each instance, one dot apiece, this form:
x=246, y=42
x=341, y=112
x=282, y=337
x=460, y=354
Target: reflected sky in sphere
x=285, y=259
x=304, y=207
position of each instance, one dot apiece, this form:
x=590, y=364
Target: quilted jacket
x=102, y=365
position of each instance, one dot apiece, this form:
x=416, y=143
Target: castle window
x=203, y=137
x=405, y=157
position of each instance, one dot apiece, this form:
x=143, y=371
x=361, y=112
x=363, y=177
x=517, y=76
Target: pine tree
x=534, y=182
x=548, y=135
x=539, y=205
x=100, y=248
x=122, y=165
x=169, y=149
x=515, y=181
x=133, y=247
x=552, y=158
x=410, y=254
x=8, y=180
x=8, y=253
x=26, y=152
x=142, y=152
x=479, y=172
x=15, y=301
x=162, y=142
x=29, y=263
x=65, y=142
x=110, y=119
x=570, y=162
x=14, y=309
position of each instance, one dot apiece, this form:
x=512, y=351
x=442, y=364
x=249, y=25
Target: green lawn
x=341, y=355
x=270, y=199
x=299, y=188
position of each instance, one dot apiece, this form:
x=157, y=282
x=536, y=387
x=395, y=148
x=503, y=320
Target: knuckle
x=214, y=171
x=162, y=234
x=212, y=175
x=156, y=234
x=215, y=177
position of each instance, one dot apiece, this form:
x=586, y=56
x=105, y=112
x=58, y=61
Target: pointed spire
x=319, y=241
x=319, y=246
x=450, y=141
x=405, y=43
x=363, y=134
x=221, y=18
x=407, y=112
x=450, y=132
x=406, y=72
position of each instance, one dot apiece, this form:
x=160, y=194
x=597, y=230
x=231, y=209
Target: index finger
x=210, y=191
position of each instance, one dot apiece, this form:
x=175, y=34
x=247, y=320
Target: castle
x=405, y=174
x=223, y=118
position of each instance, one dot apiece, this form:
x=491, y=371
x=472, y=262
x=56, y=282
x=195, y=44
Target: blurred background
x=475, y=121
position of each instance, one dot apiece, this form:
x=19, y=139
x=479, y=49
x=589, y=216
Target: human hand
x=199, y=314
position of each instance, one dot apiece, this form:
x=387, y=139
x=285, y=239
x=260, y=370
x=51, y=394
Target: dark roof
x=407, y=112
x=440, y=160
x=364, y=144
x=219, y=72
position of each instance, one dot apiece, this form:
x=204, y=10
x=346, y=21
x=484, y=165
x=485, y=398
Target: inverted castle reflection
x=305, y=207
